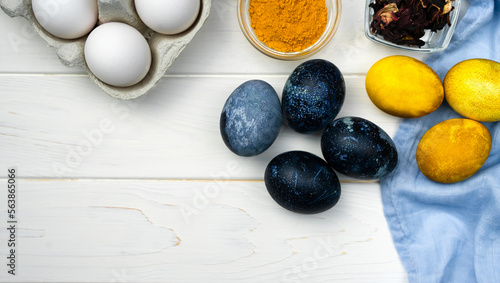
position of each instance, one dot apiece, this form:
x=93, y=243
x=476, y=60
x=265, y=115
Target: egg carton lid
x=164, y=48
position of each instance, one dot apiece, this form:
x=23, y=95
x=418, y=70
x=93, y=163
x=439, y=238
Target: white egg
x=168, y=16
x=68, y=19
x=117, y=54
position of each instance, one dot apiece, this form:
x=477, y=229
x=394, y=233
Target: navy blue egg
x=313, y=96
x=302, y=182
x=251, y=118
x=358, y=148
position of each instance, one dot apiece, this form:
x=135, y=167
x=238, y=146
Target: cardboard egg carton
x=164, y=48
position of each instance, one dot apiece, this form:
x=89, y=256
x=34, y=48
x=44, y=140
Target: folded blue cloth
x=449, y=232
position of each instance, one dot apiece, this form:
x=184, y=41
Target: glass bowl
x=334, y=10
x=434, y=41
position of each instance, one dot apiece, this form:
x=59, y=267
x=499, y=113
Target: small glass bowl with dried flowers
x=289, y=32
x=417, y=25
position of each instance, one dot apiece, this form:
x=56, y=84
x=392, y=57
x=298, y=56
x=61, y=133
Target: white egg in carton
x=164, y=48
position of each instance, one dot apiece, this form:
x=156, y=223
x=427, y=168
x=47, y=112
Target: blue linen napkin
x=449, y=232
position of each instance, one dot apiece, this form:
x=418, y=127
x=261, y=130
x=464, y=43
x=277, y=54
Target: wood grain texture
x=210, y=231
x=146, y=191
x=70, y=130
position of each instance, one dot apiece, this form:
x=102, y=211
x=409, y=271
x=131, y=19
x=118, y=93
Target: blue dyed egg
x=251, y=118
x=358, y=148
x=313, y=96
x=302, y=182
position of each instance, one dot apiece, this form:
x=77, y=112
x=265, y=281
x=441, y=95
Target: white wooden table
x=146, y=190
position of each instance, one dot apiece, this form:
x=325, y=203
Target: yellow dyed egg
x=404, y=87
x=453, y=150
x=472, y=89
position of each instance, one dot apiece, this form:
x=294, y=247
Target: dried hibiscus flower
x=404, y=22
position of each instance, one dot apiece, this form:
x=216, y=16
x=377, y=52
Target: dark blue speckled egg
x=302, y=182
x=251, y=118
x=313, y=96
x=358, y=148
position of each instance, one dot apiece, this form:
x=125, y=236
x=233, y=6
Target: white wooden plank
x=140, y=167
x=196, y=231
x=64, y=126
x=221, y=38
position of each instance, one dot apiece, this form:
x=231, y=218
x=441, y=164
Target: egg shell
x=251, y=118
x=164, y=48
x=168, y=16
x=403, y=86
x=302, y=182
x=313, y=96
x=358, y=148
x=117, y=54
x=453, y=150
x=472, y=89
x=66, y=19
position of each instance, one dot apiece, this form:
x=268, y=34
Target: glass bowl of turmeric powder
x=289, y=30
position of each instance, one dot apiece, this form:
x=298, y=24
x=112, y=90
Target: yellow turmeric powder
x=288, y=25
